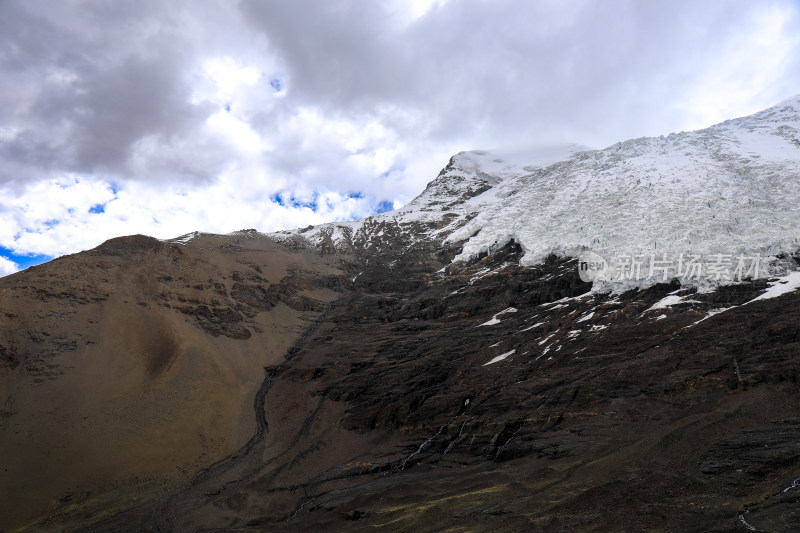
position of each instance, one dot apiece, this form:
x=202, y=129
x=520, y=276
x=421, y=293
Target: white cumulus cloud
x=217, y=116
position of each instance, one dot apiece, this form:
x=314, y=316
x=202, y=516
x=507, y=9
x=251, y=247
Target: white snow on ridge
x=494, y=320
x=701, y=192
x=542, y=323
x=184, y=239
x=547, y=339
x=500, y=357
x=783, y=285
x=504, y=164
x=669, y=301
x=713, y=312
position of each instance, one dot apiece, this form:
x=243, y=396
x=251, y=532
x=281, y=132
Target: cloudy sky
x=162, y=118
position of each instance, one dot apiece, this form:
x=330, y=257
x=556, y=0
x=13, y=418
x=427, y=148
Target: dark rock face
x=415, y=394
x=743, y=459
x=505, y=398
x=219, y=321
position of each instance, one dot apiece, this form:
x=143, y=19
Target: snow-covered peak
x=730, y=190
x=502, y=164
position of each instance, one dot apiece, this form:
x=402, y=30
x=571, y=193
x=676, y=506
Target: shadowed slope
x=127, y=368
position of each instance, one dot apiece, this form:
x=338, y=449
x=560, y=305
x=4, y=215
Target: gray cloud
x=83, y=85
x=510, y=69
x=371, y=99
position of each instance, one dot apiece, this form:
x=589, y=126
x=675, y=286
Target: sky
x=163, y=118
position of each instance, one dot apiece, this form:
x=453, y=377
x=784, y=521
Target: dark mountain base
x=607, y=416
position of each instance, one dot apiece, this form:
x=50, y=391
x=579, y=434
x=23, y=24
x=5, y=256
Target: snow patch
x=184, y=239
x=500, y=357
x=669, y=301
x=713, y=312
x=547, y=339
x=494, y=320
x=781, y=286
x=533, y=326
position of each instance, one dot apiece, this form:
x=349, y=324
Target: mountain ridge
x=379, y=374
x=702, y=188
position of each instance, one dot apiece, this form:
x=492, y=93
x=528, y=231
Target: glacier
x=729, y=190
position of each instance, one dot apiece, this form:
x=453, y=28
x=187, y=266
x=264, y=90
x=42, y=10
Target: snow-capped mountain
x=731, y=189
x=441, y=365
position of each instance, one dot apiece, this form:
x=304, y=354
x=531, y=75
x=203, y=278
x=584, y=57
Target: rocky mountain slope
x=132, y=366
x=439, y=367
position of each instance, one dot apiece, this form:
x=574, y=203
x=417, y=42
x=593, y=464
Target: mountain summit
x=730, y=189
x=559, y=340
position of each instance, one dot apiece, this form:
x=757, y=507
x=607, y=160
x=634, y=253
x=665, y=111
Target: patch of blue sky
x=114, y=188
x=291, y=201
x=24, y=260
x=385, y=206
